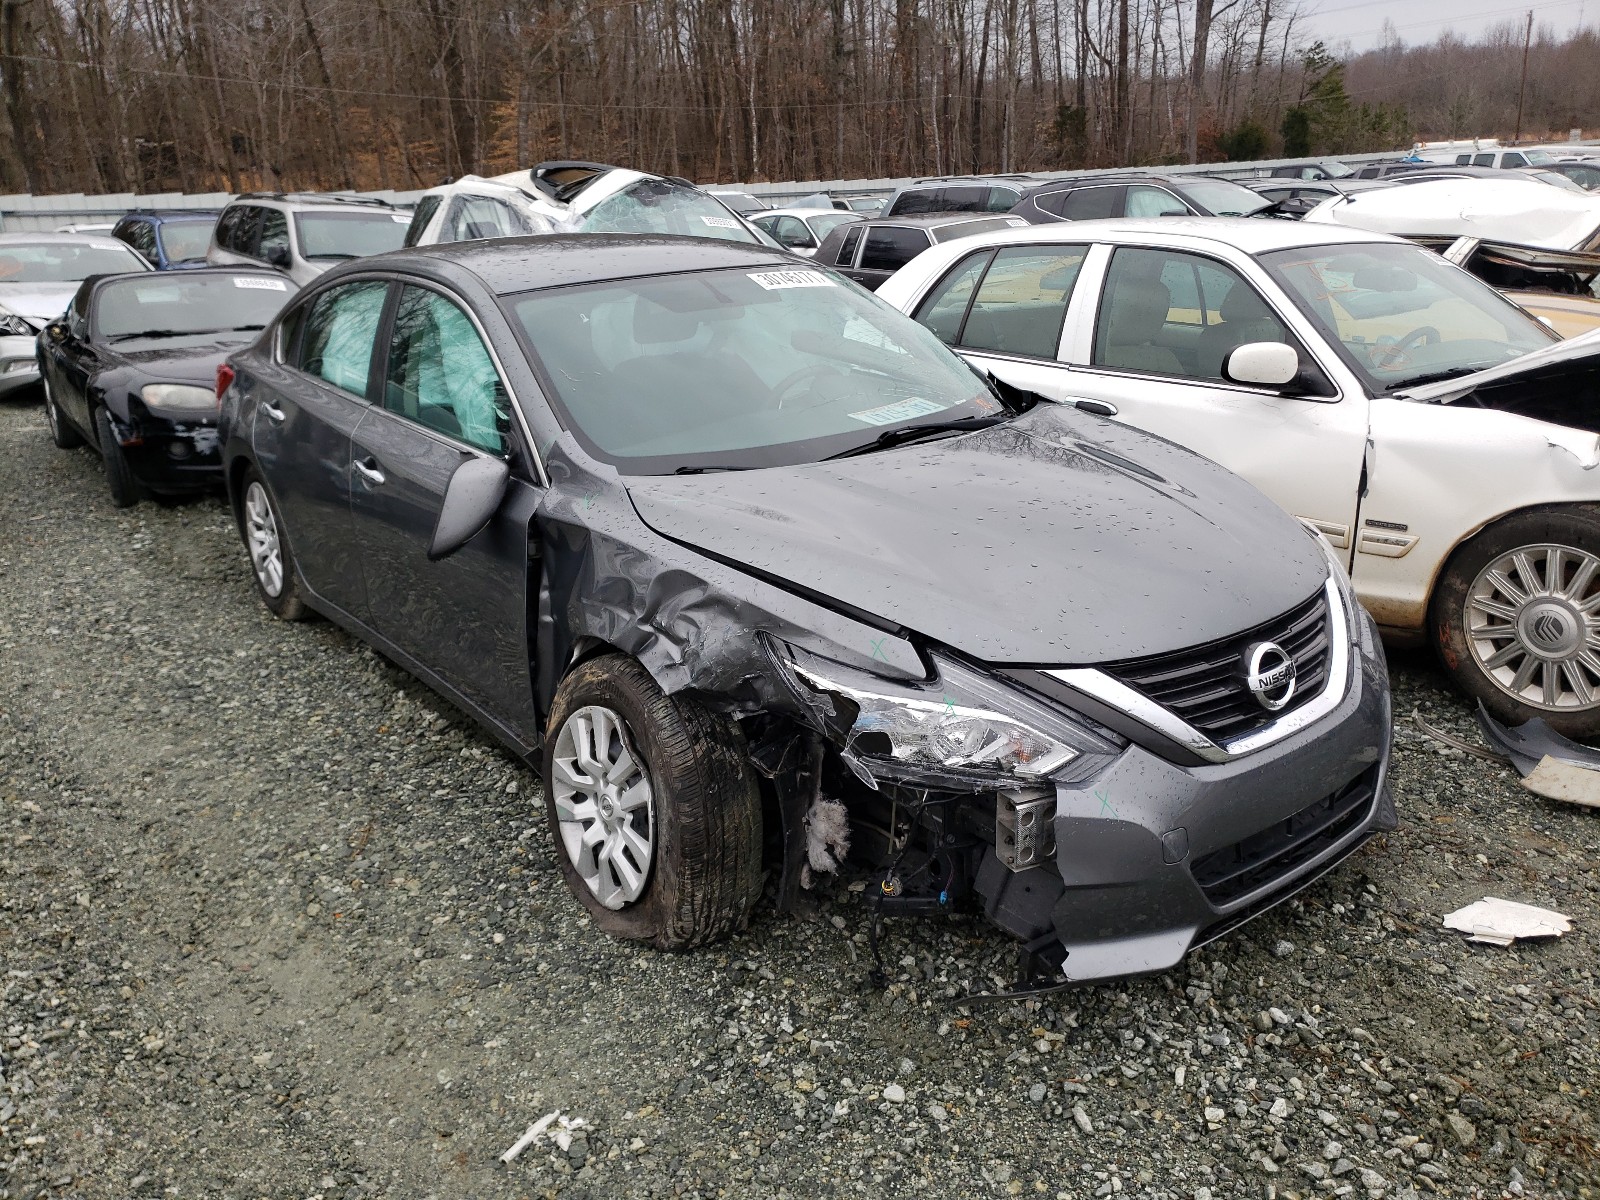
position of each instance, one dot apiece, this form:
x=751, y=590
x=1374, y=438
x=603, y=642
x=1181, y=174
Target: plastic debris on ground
x=1497, y=922
x=563, y=1127
x=1551, y=766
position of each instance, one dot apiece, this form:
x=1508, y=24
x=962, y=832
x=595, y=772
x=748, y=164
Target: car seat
x=1245, y=318
x=1135, y=315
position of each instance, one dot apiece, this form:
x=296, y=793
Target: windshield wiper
x=707, y=469
x=333, y=254
x=909, y=433
x=1434, y=377
x=172, y=333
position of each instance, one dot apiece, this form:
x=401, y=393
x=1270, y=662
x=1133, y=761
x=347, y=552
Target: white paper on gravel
x=1497, y=922
x=564, y=1128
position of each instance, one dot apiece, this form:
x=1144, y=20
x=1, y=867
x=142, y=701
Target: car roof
x=1253, y=235
x=932, y=220
x=104, y=240
x=172, y=214
x=803, y=212
x=510, y=265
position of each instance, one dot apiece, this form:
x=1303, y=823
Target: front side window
x=1001, y=200
x=1093, y=203
x=1483, y=160
x=1513, y=160
x=1018, y=306
x=476, y=218
x=1401, y=315
x=847, y=248
x=737, y=368
x=440, y=374
x=890, y=247
x=64, y=262
x=1147, y=201
x=338, y=235
x=420, y=217
x=1164, y=312
x=185, y=241
x=339, y=332
x=791, y=231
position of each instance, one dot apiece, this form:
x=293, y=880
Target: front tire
x=654, y=808
x=125, y=489
x=272, y=566
x=62, y=433
x=1516, y=618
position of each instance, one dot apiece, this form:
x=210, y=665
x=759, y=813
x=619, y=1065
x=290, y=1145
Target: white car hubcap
x=261, y=535
x=1533, y=623
x=604, y=804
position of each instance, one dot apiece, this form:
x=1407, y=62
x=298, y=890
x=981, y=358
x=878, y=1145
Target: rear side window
x=889, y=248
x=420, y=217
x=274, y=233
x=1051, y=202
x=340, y=329
x=1019, y=305
x=1483, y=160
x=847, y=250
x=1092, y=203
x=243, y=240
x=1513, y=160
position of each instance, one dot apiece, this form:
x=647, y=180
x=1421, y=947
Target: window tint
x=1483, y=160
x=1002, y=200
x=1023, y=299
x=1463, y=159
x=274, y=234
x=946, y=306
x=420, y=216
x=141, y=237
x=226, y=224
x=1052, y=202
x=340, y=329
x=1092, y=203
x=1513, y=160
x=847, y=248
x=440, y=374
x=922, y=200
x=1169, y=313
x=246, y=231
x=474, y=218
x=889, y=248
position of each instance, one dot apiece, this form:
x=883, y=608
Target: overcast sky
x=1360, y=22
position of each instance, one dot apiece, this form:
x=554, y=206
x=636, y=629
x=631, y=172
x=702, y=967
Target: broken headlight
x=12, y=325
x=964, y=729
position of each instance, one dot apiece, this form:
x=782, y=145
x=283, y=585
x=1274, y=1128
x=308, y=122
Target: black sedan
x=720, y=541
x=1136, y=194
x=131, y=368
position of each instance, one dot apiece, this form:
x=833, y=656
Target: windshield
x=660, y=206
x=181, y=302
x=1403, y=315
x=1223, y=199
x=1538, y=158
x=1335, y=170
x=63, y=262
x=738, y=368
x=824, y=225
x=1557, y=179
x=186, y=241
x=350, y=234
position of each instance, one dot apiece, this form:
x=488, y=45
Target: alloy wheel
x=1533, y=624
x=261, y=535
x=605, y=805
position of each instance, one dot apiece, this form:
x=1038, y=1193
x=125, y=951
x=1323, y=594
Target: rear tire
x=125, y=489
x=632, y=774
x=272, y=565
x=62, y=432
x=1516, y=618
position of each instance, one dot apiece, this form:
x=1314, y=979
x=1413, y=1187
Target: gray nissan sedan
x=756, y=572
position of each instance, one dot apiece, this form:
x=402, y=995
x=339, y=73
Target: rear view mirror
x=1264, y=364
x=470, y=499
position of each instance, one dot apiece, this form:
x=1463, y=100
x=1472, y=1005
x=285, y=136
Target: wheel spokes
x=604, y=805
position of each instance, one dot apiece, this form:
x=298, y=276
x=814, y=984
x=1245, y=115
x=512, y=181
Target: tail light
x=225, y=378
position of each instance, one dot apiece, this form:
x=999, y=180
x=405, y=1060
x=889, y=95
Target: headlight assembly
x=964, y=730
x=179, y=397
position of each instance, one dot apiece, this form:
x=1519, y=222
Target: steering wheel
x=799, y=375
x=1386, y=356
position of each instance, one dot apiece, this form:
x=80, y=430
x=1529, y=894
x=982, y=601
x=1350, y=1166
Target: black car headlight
x=12, y=325
x=962, y=730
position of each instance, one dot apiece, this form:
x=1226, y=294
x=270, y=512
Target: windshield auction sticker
x=776, y=280
x=720, y=222
x=264, y=285
x=903, y=410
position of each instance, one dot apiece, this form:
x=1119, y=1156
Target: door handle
x=277, y=414
x=1100, y=408
x=368, y=467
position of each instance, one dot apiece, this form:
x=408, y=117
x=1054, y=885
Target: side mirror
x=278, y=256
x=57, y=330
x=470, y=499
x=1263, y=364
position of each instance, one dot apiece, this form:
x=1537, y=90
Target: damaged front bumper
x=1153, y=859
x=171, y=454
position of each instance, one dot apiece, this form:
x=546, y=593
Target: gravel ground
x=279, y=923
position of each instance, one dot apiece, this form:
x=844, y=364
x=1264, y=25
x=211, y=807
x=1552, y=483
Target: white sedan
x=1442, y=440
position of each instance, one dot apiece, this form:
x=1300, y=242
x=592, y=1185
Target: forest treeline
x=200, y=95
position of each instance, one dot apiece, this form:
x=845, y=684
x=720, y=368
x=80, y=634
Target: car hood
x=178, y=360
x=1056, y=539
x=1523, y=211
x=39, y=302
x=1581, y=353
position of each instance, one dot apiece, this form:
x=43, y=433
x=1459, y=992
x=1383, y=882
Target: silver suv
x=303, y=234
